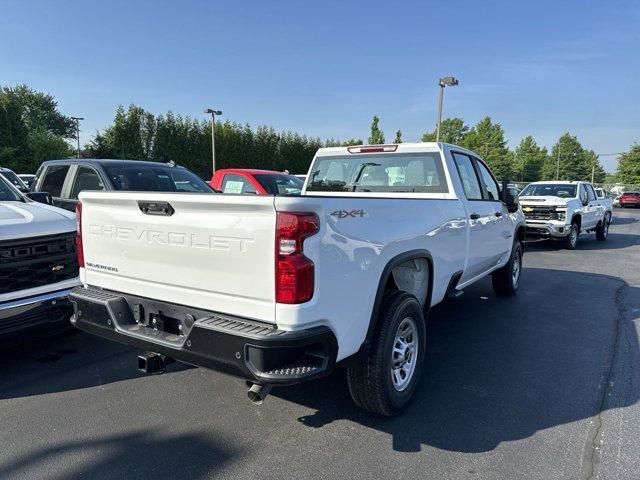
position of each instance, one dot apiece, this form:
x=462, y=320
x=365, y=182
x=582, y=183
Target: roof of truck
x=102, y=161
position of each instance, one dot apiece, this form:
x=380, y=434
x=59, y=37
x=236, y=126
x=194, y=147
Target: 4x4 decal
x=348, y=213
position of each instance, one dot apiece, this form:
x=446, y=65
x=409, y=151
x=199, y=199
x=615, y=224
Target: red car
x=630, y=199
x=256, y=182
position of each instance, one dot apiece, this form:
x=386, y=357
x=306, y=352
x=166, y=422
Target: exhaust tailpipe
x=257, y=393
x=150, y=362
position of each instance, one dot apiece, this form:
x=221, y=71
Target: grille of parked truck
x=562, y=210
x=280, y=289
x=38, y=266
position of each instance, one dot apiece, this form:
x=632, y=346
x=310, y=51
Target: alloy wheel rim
x=404, y=354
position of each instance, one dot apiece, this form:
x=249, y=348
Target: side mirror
x=41, y=197
x=508, y=198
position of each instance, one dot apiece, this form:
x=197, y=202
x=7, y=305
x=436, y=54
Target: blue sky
x=324, y=68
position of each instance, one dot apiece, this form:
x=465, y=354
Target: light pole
x=213, y=141
x=443, y=82
x=77, y=119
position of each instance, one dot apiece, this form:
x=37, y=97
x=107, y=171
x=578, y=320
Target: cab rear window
x=400, y=173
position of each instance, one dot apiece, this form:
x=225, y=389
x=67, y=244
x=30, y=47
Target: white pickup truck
x=278, y=289
x=562, y=210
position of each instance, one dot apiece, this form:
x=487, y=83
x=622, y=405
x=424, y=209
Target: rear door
x=208, y=251
x=85, y=178
x=54, y=181
x=485, y=247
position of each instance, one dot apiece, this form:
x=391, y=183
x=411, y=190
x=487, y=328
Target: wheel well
x=389, y=282
x=577, y=219
x=412, y=276
x=520, y=234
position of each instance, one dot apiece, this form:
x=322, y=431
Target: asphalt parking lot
x=545, y=385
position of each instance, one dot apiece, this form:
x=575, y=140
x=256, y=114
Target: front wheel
x=385, y=380
x=571, y=242
x=506, y=280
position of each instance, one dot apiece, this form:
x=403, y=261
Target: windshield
x=415, y=172
x=549, y=190
x=8, y=193
x=161, y=178
x=280, y=184
x=13, y=178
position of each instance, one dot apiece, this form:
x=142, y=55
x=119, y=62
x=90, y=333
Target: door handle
x=498, y=214
x=474, y=216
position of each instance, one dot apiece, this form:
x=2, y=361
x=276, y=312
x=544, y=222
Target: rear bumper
x=256, y=351
x=28, y=318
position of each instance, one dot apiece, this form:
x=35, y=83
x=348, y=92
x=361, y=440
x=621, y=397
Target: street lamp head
x=77, y=118
x=213, y=112
x=448, y=82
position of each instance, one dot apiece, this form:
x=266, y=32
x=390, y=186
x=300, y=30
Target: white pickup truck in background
x=278, y=289
x=562, y=210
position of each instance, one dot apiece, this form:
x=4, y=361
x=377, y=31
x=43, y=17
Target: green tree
x=487, y=140
x=452, y=130
x=352, y=141
x=528, y=160
x=629, y=166
x=569, y=160
x=32, y=129
x=377, y=136
x=398, y=138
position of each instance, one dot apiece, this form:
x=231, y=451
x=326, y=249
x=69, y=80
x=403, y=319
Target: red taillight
x=79, y=249
x=294, y=271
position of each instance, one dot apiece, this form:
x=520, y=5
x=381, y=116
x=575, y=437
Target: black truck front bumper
x=253, y=350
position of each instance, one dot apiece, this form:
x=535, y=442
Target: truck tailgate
x=213, y=252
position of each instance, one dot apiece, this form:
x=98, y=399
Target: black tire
x=571, y=242
x=370, y=380
x=506, y=280
x=602, y=230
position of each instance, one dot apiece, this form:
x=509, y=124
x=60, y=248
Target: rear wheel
x=386, y=379
x=571, y=242
x=506, y=280
x=602, y=230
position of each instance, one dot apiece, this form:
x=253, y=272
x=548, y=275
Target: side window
x=468, y=177
x=54, y=179
x=591, y=193
x=86, y=179
x=236, y=184
x=584, y=196
x=489, y=182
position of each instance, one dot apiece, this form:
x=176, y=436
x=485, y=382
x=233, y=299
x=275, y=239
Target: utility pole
x=77, y=119
x=213, y=141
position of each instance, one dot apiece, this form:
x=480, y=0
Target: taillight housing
x=79, y=248
x=294, y=271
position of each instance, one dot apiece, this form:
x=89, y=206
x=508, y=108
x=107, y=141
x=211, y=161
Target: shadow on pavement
x=587, y=241
x=141, y=454
x=65, y=362
x=623, y=220
x=501, y=369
